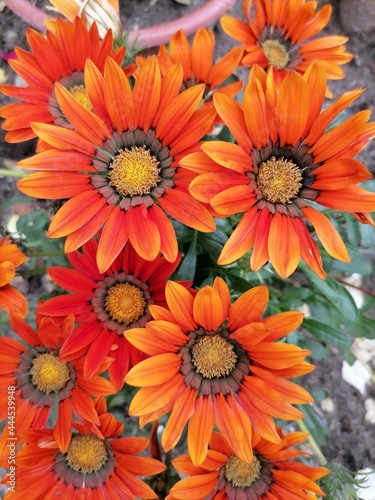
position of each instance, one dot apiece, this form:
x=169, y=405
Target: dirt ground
x=352, y=438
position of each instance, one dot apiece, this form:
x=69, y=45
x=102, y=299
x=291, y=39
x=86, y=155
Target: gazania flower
x=197, y=62
x=120, y=168
x=107, y=304
x=284, y=165
x=53, y=58
x=105, y=13
x=216, y=363
x=97, y=463
x=279, y=34
x=10, y=298
x=41, y=379
x=272, y=475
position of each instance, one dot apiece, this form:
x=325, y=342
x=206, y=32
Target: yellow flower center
x=242, y=474
x=213, y=356
x=279, y=180
x=134, y=171
x=81, y=96
x=125, y=303
x=48, y=373
x=276, y=54
x=86, y=454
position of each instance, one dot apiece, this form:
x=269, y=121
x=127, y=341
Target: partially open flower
x=272, y=475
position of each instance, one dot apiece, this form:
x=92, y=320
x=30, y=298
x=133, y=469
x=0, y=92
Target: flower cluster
x=140, y=156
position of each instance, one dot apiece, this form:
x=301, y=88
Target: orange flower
x=41, y=379
x=120, y=167
x=197, y=62
x=285, y=163
x=216, y=363
x=280, y=35
x=10, y=298
x=272, y=475
x=54, y=58
x=97, y=464
x=107, y=304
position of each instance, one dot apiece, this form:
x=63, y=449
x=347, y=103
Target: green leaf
x=212, y=243
x=335, y=293
x=318, y=351
x=187, y=268
x=326, y=333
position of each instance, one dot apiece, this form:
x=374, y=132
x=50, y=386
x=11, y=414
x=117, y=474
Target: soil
x=352, y=439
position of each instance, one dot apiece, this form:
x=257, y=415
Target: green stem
x=12, y=173
x=314, y=445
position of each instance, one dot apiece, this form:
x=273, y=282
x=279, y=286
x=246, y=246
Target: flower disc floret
x=86, y=454
x=48, y=373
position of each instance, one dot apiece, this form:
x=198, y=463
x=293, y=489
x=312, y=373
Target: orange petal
x=350, y=199
x=62, y=431
x=327, y=234
x=256, y=113
x=248, y=308
x=201, y=425
x=118, y=96
x=228, y=155
x=208, y=310
x=197, y=487
x=63, y=138
x=180, y=302
x=168, y=245
x=143, y=233
x=182, y=410
x=112, y=239
x=236, y=199
x=242, y=238
x=292, y=109
x=178, y=112
x=339, y=174
x=233, y=116
x=55, y=185
x=282, y=324
x=12, y=300
x=149, y=399
x=234, y=425
x=85, y=122
x=155, y=370
x=283, y=245
x=75, y=213
x=146, y=94
x=187, y=210
x=88, y=230
x=222, y=289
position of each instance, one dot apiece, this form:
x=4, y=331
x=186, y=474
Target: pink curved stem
x=145, y=37
x=200, y=18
